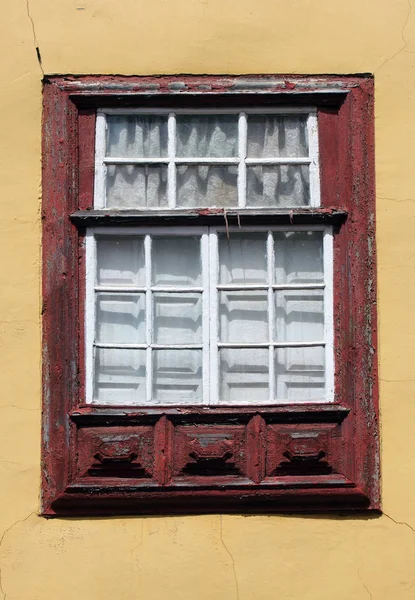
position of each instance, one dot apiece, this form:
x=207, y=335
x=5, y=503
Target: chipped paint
x=249, y=557
x=253, y=441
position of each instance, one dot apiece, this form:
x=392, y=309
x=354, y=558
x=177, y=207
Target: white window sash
x=241, y=161
x=210, y=290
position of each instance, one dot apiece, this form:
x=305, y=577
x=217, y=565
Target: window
x=209, y=316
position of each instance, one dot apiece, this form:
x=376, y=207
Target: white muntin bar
x=290, y=110
x=204, y=247
x=213, y=316
x=113, y=160
x=204, y=160
x=278, y=161
x=149, y=319
x=271, y=318
x=176, y=160
x=90, y=271
x=100, y=167
x=176, y=290
x=328, y=312
x=111, y=289
x=280, y=286
x=319, y=343
x=243, y=132
x=121, y=346
x=312, y=130
x=171, y=169
x=153, y=346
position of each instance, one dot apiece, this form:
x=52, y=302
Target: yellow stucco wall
x=212, y=557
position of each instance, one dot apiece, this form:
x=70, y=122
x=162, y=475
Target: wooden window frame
x=307, y=457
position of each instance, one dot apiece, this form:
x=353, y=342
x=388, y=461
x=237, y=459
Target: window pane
x=132, y=186
x=207, y=136
x=243, y=317
x=177, y=376
x=243, y=375
x=243, y=259
x=143, y=136
x=120, y=261
x=120, y=319
x=207, y=186
x=271, y=136
x=278, y=185
x=176, y=261
x=120, y=376
x=299, y=374
x=177, y=318
x=299, y=257
x=299, y=315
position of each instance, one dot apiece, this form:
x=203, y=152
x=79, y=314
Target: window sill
x=211, y=216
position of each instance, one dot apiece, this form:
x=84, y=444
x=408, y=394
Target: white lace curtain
x=244, y=316
x=206, y=137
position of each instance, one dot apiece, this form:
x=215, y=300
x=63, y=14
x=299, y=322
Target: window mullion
x=328, y=313
x=213, y=315
x=149, y=319
x=100, y=200
x=242, y=139
x=271, y=315
x=90, y=318
x=314, y=157
x=171, y=181
x=206, y=315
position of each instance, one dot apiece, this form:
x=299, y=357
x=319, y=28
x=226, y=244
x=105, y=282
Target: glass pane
x=177, y=376
x=271, y=136
x=298, y=257
x=243, y=317
x=299, y=315
x=138, y=136
x=176, y=261
x=299, y=374
x=120, y=261
x=132, y=186
x=278, y=185
x=207, y=186
x=244, y=375
x=207, y=136
x=177, y=318
x=243, y=259
x=121, y=319
x=120, y=376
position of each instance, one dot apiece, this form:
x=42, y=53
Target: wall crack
x=404, y=40
x=230, y=556
x=399, y=522
x=363, y=584
x=36, y=44
x=5, y=532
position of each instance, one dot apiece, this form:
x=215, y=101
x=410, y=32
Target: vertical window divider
x=171, y=150
x=213, y=315
x=100, y=199
x=271, y=316
x=328, y=312
x=206, y=314
x=91, y=269
x=149, y=319
x=314, y=156
x=242, y=150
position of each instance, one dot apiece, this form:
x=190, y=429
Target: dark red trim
x=100, y=460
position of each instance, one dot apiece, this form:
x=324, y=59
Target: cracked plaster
x=225, y=556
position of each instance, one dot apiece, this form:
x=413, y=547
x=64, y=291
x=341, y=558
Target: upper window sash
x=238, y=178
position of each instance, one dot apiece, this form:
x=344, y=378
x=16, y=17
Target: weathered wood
x=102, y=460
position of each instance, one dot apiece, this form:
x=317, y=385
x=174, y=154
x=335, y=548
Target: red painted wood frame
x=312, y=457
